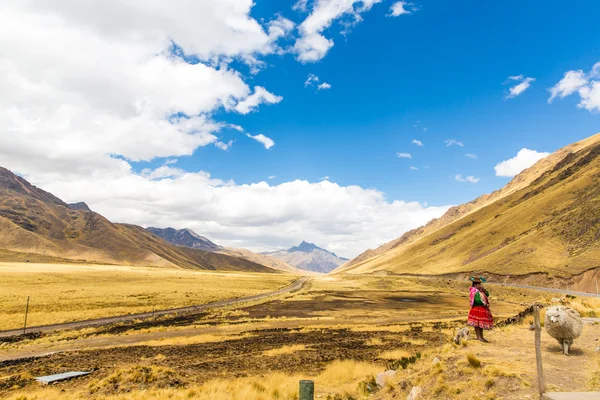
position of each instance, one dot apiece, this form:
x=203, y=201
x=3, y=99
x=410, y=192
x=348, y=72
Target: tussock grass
x=473, y=360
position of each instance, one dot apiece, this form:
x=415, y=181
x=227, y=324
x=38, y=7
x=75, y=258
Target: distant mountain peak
x=305, y=247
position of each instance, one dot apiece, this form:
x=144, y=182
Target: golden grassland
x=473, y=370
x=503, y=369
x=63, y=293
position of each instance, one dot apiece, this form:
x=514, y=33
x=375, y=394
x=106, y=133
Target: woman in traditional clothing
x=480, y=316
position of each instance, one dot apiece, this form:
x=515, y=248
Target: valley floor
x=339, y=331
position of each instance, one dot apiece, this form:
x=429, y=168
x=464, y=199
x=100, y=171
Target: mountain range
x=189, y=238
x=37, y=226
x=309, y=257
x=544, y=226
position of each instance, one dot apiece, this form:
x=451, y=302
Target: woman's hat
x=480, y=279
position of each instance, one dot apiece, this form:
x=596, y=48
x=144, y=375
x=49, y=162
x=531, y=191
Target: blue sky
x=98, y=107
x=444, y=66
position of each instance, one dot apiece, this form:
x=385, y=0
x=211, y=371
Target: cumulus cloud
x=402, y=8
x=260, y=95
x=524, y=159
x=312, y=46
x=587, y=86
x=266, y=141
x=452, y=142
x=324, y=86
x=417, y=142
x=470, y=179
x=518, y=89
x=403, y=155
x=347, y=219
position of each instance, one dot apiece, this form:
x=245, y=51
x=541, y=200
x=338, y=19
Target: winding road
x=294, y=287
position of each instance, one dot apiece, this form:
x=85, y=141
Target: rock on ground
x=414, y=394
x=382, y=377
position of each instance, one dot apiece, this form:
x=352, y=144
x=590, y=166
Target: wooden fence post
x=307, y=390
x=26, y=312
x=538, y=349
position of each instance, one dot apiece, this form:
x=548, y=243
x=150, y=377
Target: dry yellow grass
x=144, y=383
x=64, y=293
x=285, y=350
x=394, y=354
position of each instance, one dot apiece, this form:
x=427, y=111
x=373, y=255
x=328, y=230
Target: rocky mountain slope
x=35, y=224
x=545, y=221
x=189, y=238
x=309, y=257
x=185, y=237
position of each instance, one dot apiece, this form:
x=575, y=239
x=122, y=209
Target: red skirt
x=480, y=317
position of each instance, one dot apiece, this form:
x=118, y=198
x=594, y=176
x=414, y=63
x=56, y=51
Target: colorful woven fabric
x=481, y=317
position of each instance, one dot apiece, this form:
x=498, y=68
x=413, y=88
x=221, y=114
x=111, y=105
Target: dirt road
x=297, y=285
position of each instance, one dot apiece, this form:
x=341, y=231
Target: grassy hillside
x=551, y=225
x=36, y=225
x=519, y=182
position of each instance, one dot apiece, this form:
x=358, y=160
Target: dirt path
x=297, y=285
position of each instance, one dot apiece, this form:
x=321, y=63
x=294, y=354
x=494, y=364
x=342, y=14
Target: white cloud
x=224, y=146
x=471, y=156
x=452, y=142
x=403, y=155
x=280, y=27
x=524, y=159
x=171, y=161
x=587, y=86
x=470, y=179
x=313, y=80
x=257, y=216
x=521, y=87
x=84, y=92
x=300, y=5
x=417, y=142
x=425, y=129
x=260, y=95
x=272, y=177
x=266, y=141
x=312, y=46
x=569, y=84
x=325, y=178
x=401, y=8
x=413, y=168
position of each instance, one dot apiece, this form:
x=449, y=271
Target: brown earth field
x=338, y=331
